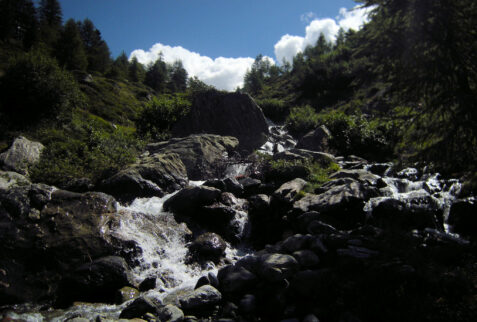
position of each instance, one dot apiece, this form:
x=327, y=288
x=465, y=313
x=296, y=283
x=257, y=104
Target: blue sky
x=216, y=39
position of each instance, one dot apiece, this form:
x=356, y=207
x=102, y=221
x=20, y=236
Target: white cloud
x=223, y=73
x=308, y=17
x=288, y=46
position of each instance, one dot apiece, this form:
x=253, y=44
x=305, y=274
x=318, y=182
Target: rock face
x=201, y=154
x=231, y=114
x=22, y=154
x=46, y=233
x=317, y=140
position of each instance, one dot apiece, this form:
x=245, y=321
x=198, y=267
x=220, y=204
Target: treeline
x=408, y=76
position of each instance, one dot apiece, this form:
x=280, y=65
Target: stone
x=295, y=243
x=190, y=199
x=302, y=154
x=9, y=179
x=463, y=217
x=170, y=313
x=306, y=258
x=248, y=304
x=201, y=298
x=138, y=308
x=235, y=279
x=316, y=140
x=203, y=155
x=231, y=114
x=98, y=281
x=21, y=155
x=208, y=246
x=127, y=293
x=276, y=267
x=288, y=191
x=147, y=284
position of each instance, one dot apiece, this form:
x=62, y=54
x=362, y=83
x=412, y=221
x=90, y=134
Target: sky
x=217, y=40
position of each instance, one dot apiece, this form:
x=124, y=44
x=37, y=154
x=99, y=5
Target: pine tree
x=96, y=48
x=178, y=77
x=136, y=72
x=120, y=67
x=50, y=21
x=70, y=50
x=156, y=75
x=18, y=22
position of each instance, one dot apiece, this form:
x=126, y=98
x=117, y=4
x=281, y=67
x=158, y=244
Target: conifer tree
x=156, y=75
x=120, y=67
x=50, y=15
x=136, y=72
x=96, y=48
x=70, y=50
x=18, y=22
x=178, y=77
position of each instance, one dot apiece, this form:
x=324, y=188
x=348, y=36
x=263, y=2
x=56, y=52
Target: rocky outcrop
x=316, y=140
x=463, y=217
x=231, y=114
x=202, y=155
x=21, y=155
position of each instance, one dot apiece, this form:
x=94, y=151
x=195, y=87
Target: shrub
x=34, y=87
x=275, y=109
x=301, y=120
x=158, y=116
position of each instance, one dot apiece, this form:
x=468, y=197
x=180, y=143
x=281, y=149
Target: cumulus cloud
x=223, y=73
x=308, y=17
x=288, y=46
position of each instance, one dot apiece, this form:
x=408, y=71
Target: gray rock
x=248, y=304
x=127, y=293
x=301, y=154
x=236, y=279
x=276, y=267
x=138, y=308
x=170, y=313
x=10, y=179
x=200, y=298
x=295, y=243
x=316, y=140
x=307, y=258
x=231, y=114
x=289, y=190
x=21, y=155
x=190, y=199
x=362, y=176
x=208, y=246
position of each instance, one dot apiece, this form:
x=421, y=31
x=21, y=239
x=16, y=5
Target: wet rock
x=98, y=281
x=276, y=267
x=208, y=246
x=301, y=154
x=170, y=313
x=190, y=199
x=138, y=308
x=232, y=114
x=235, y=279
x=340, y=206
x=295, y=243
x=201, y=298
x=203, y=280
x=150, y=176
x=362, y=176
x=288, y=191
x=316, y=140
x=311, y=318
x=306, y=258
x=147, y=284
x=126, y=293
x=259, y=203
x=21, y=155
x=463, y=217
x=250, y=186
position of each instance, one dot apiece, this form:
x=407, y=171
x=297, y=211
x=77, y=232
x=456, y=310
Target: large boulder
x=208, y=246
x=21, y=155
x=202, y=298
x=463, y=217
x=190, y=199
x=202, y=155
x=46, y=233
x=10, y=179
x=316, y=140
x=150, y=176
x=231, y=114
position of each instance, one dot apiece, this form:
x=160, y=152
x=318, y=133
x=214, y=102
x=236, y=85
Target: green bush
x=301, y=120
x=275, y=109
x=159, y=115
x=34, y=87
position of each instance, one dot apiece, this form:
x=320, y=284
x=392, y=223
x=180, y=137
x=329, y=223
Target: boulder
x=340, y=205
x=302, y=154
x=46, y=233
x=170, y=313
x=202, y=298
x=126, y=293
x=138, y=308
x=463, y=217
x=10, y=179
x=21, y=155
x=231, y=114
x=98, y=281
x=236, y=279
x=276, y=267
x=203, y=155
x=208, y=246
x=190, y=199
x=148, y=177
x=316, y=140
x=288, y=191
